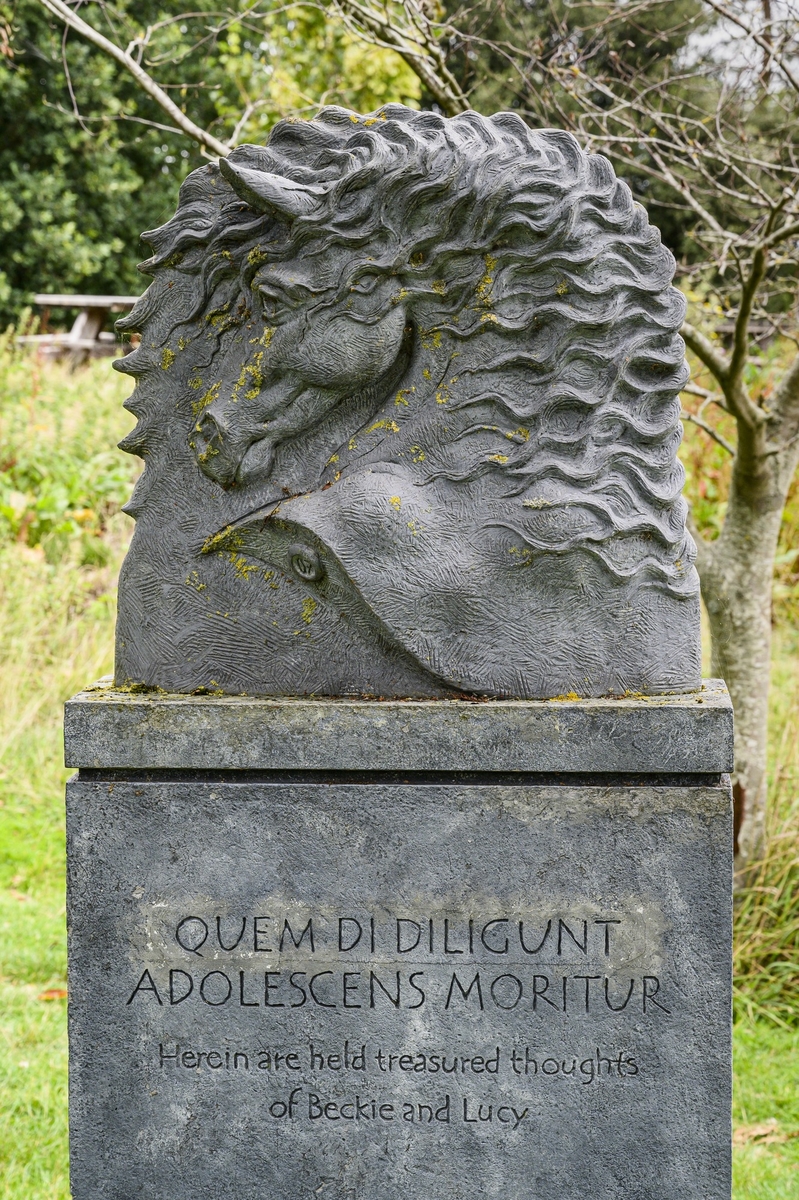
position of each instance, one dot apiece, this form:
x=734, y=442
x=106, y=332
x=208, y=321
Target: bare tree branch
x=145, y=81
x=415, y=42
x=708, y=354
x=709, y=430
x=762, y=42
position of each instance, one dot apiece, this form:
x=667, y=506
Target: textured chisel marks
x=407, y=393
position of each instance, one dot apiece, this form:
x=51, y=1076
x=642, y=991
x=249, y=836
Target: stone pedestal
x=432, y=950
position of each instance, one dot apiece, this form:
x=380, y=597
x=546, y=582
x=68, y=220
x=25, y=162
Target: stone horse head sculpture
x=407, y=392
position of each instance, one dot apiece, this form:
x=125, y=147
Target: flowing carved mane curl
x=527, y=252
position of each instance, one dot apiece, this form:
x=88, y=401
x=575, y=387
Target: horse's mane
x=505, y=234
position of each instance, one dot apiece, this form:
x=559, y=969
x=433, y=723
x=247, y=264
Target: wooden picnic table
x=88, y=336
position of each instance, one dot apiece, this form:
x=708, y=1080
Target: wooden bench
x=88, y=337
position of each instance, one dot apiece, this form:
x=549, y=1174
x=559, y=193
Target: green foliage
x=292, y=61
x=57, y=615
x=59, y=484
x=83, y=173
x=74, y=194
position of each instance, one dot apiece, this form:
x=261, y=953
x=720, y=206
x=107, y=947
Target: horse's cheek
x=351, y=349
x=332, y=356
x=338, y=352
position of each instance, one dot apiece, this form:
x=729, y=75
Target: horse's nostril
x=209, y=427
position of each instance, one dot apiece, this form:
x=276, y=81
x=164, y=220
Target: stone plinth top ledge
x=110, y=728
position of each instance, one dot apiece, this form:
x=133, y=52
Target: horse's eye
x=305, y=563
x=366, y=283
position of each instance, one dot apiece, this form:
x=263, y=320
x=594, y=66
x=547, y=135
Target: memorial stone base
x=435, y=950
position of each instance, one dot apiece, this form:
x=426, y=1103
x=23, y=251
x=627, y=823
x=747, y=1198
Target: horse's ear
x=272, y=193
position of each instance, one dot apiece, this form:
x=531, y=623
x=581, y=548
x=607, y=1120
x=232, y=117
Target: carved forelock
x=575, y=288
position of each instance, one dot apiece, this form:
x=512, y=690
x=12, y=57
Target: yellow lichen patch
x=194, y=581
x=167, y=358
x=443, y=395
x=402, y=396
x=389, y=426
x=308, y=609
x=415, y=527
x=399, y=296
x=352, y=444
x=219, y=316
x=353, y=118
x=568, y=696
x=431, y=338
x=333, y=459
x=182, y=343
x=208, y=398
x=498, y=458
x=439, y=287
x=483, y=291
x=490, y=317
x=521, y=434
x=233, y=541
x=395, y=502
x=256, y=256
x=417, y=259
x=242, y=568
x=195, y=383
x=417, y=454
x=426, y=373
x=563, y=288
x=522, y=552
x=536, y=502
x=250, y=374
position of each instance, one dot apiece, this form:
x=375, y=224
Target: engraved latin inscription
x=377, y=1017
x=352, y=963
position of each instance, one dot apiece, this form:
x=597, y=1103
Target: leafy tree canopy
x=87, y=160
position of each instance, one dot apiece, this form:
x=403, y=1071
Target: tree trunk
x=736, y=574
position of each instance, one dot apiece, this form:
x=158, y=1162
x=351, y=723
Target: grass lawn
x=766, y=1112
x=57, y=625
x=57, y=615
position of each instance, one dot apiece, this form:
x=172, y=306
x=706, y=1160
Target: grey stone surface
x=105, y=727
x=407, y=395
x=206, y=1061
